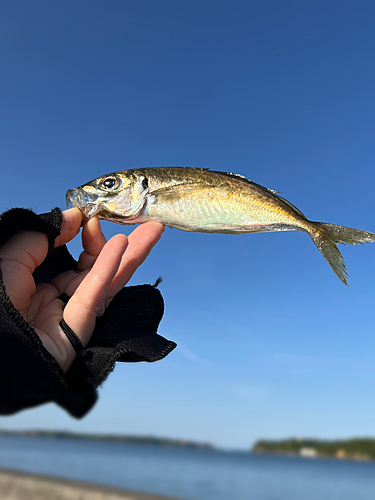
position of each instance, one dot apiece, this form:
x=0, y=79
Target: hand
x=103, y=270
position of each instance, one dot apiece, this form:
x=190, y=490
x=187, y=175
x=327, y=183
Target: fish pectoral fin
x=170, y=194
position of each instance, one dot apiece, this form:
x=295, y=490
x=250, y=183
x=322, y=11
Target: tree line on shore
x=356, y=448
x=117, y=438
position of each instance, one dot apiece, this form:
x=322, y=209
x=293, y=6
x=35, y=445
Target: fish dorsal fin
x=275, y=193
x=181, y=167
x=290, y=205
x=240, y=177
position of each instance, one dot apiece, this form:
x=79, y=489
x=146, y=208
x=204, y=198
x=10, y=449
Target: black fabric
x=29, y=375
x=17, y=219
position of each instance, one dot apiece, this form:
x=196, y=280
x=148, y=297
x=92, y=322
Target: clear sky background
x=270, y=343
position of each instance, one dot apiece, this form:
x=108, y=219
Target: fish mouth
x=86, y=202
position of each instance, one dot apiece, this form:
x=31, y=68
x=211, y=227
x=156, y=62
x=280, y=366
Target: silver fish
x=200, y=200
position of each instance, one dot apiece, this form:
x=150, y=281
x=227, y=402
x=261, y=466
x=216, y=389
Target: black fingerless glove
x=30, y=375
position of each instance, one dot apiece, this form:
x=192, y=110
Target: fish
x=208, y=201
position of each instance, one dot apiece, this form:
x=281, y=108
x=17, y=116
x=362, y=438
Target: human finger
x=141, y=242
x=88, y=299
x=93, y=241
x=72, y=220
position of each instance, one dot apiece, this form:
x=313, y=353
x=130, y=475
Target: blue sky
x=270, y=343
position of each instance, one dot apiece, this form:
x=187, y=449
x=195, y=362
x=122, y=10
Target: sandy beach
x=16, y=485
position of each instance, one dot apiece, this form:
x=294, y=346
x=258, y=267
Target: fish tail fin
x=326, y=236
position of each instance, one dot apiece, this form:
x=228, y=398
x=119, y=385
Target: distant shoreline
x=316, y=456
x=111, y=438
x=359, y=449
x=20, y=485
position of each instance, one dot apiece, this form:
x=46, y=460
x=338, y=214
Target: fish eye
x=110, y=183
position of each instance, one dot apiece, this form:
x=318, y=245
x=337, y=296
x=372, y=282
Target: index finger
x=93, y=241
x=72, y=220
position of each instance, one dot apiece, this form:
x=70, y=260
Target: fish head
x=112, y=196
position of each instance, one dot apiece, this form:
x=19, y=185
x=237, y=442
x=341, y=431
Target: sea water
x=196, y=474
